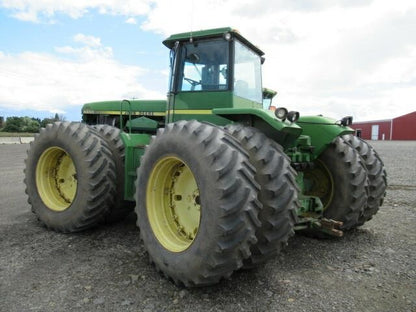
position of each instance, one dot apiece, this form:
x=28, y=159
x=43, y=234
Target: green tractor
x=218, y=180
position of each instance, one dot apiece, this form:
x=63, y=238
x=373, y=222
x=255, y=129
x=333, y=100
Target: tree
x=12, y=124
x=30, y=125
x=21, y=124
x=46, y=121
x=50, y=120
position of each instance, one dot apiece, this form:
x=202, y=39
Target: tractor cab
x=210, y=69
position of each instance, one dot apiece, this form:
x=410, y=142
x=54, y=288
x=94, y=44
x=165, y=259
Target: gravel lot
x=106, y=269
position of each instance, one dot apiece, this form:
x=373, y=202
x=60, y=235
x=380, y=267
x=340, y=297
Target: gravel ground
x=106, y=269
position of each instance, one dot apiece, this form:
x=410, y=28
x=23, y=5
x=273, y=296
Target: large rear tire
x=196, y=203
x=121, y=208
x=340, y=180
x=69, y=177
x=377, y=176
x=278, y=193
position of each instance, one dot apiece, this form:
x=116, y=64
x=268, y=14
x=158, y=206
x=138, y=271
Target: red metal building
x=399, y=128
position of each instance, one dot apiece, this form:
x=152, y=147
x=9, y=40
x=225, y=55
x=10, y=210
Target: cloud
x=54, y=83
x=88, y=40
x=27, y=16
x=131, y=21
x=90, y=50
x=264, y=7
x=45, y=10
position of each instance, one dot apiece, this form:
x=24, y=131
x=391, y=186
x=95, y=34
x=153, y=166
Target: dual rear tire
x=74, y=176
x=69, y=177
x=120, y=207
x=213, y=200
x=278, y=193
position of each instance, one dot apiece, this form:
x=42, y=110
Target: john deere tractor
x=218, y=182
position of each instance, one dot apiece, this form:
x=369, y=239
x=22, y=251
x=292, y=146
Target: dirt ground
x=106, y=269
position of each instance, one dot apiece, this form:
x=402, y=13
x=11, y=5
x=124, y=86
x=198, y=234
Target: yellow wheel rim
x=56, y=179
x=319, y=182
x=173, y=204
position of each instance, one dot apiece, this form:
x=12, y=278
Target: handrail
x=121, y=115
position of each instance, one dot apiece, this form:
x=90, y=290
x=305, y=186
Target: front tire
x=196, y=203
x=340, y=180
x=377, y=176
x=69, y=177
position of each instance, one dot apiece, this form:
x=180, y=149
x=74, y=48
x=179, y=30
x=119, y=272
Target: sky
x=330, y=57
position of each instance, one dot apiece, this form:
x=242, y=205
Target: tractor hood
x=321, y=120
x=137, y=107
x=322, y=130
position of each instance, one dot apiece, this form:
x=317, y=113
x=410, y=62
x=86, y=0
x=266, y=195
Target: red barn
x=399, y=128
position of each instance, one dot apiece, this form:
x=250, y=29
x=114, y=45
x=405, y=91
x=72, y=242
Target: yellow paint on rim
x=56, y=179
x=173, y=204
x=322, y=183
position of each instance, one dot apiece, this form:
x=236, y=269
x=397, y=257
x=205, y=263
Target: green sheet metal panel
x=322, y=131
x=134, y=150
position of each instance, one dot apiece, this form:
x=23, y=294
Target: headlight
x=280, y=113
x=293, y=116
x=346, y=121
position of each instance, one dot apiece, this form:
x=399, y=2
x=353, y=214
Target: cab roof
x=210, y=33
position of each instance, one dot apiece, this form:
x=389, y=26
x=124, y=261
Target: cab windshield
x=205, y=66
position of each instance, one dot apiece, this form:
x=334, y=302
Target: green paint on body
x=322, y=131
x=134, y=149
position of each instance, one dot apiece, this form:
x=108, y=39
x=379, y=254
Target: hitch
x=310, y=217
x=329, y=226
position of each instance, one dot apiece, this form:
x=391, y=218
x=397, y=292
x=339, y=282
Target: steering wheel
x=193, y=83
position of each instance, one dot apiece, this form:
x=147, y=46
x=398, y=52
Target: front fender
x=322, y=131
x=283, y=132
